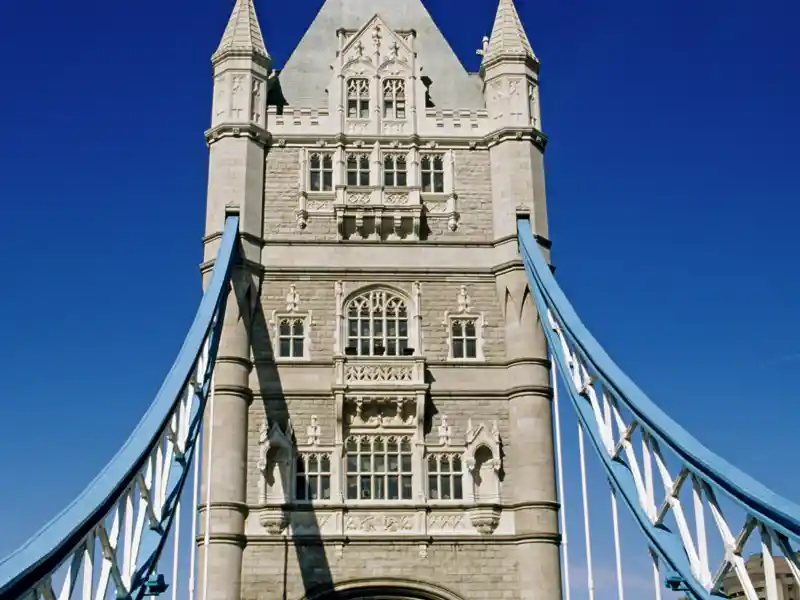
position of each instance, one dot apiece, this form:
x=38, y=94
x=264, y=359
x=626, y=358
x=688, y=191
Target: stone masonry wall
x=436, y=297
x=474, y=571
x=472, y=177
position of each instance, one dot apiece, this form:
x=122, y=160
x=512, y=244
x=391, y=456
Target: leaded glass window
x=378, y=467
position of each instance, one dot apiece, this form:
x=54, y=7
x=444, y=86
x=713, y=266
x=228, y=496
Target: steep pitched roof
x=243, y=33
x=508, y=36
x=307, y=74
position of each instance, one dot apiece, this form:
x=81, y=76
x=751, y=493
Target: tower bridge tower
x=381, y=424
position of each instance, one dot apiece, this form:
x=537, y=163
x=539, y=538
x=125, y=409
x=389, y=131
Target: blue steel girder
x=599, y=390
x=146, y=476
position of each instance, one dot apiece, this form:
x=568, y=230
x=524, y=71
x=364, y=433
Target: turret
x=238, y=134
x=510, y=72
x=237, y=142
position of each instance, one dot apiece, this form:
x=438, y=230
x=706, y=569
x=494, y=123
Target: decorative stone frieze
x=359, y=373
x=385, y=522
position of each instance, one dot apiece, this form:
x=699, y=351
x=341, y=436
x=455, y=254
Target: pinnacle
x=243, y=33
x=508, y=36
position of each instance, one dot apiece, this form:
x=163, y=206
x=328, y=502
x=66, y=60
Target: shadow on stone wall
x=315, y=569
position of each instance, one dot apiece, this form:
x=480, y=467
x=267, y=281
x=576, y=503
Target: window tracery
x=358, y=98
x=432, y=172
x=358, y=169
x=395, y=170
x=290, y=329
x=464, y=330
x=445, y=476
x=394, y=99
x=313, y=473
x=377, y=324
x=320, y=172
x=379, y=467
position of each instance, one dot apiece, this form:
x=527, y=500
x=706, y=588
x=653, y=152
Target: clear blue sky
x=673, y=207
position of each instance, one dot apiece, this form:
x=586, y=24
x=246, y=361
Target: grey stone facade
x=381, y=421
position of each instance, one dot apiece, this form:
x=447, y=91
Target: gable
x=306, y=74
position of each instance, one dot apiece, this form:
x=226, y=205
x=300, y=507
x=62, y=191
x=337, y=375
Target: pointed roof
x=307, y=73
x=243, y=33
x=508, y=35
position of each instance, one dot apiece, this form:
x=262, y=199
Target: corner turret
x=510, y=71
x=238, y=135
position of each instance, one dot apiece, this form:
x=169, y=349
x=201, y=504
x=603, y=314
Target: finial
x=464, y=301
x=292, y=299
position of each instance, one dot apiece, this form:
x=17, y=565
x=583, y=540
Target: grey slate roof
x=242, y=33
x=508, y=36
x=307, y=73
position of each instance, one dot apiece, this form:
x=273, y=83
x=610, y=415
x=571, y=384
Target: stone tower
x=381, y=424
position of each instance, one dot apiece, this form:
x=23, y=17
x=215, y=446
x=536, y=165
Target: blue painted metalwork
x=760, y=503
x=61, y=539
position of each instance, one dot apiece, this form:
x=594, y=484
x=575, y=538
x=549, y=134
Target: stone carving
x=378, y=522
x=445, y=432
x=292, y=299
x=393, y=127
x=274, y=521
x=394, y=49
x=377, y=36
x=380, y=411
x=313, y=431
x=255, y=113
x=423, y=550
x=315, y=205
x=464, y=301
x=358, y=198
x=219, y=98
x=436, y=208
x=485, y=519
x=308, y=522
x=483, y=461
x=237, y=99
x=274, y=461
x=447, y=522
x=357, y=127
x=378, y=373
x=395, y=199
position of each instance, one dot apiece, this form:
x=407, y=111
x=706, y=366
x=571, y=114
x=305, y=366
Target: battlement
x=295, y=118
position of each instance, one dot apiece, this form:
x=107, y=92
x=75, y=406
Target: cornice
x=488, y=364
x=238, y=130
x=516, y=59
x=406, y=540
x=335, y=140
x=460, y=394
x=517, y=134
x=332, y=141
x=403, y=508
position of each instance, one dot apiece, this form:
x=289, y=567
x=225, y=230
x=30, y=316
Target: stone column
x=531, y=460
x=224, y=472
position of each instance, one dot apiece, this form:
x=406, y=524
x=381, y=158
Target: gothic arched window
x=358, y=98
x=394, y=99
x=377, y=324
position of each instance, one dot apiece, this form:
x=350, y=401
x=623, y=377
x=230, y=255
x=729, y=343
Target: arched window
x=394, y=99
x=358, y=98
x=377, y=324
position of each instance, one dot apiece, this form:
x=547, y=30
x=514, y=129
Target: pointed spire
x=242, y=34
x=508, y=36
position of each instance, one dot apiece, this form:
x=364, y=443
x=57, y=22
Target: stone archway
x=383, y=589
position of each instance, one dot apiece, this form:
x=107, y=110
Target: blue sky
x=672, y=191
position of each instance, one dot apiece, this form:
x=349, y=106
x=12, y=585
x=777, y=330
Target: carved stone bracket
x=485, y=518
